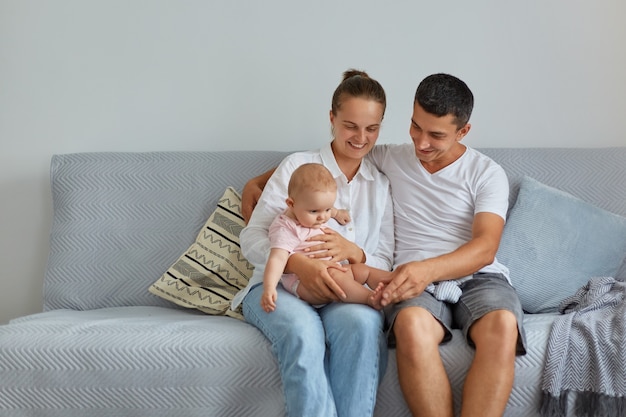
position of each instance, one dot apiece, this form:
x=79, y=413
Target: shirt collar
x=366, y=169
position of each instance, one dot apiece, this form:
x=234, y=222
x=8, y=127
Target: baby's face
x=314, y=209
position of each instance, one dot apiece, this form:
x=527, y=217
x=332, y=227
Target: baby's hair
x=358, y=84
x=311, y=177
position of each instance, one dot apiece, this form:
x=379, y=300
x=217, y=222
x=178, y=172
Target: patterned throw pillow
x=212, y=270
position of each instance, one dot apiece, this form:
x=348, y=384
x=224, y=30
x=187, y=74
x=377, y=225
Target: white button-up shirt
x=367, y=197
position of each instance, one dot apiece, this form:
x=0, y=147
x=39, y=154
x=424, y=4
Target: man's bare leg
x=422, y=377
x=490, y=379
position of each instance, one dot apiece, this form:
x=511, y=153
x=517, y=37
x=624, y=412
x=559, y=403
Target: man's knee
x=495, y=329
x=417, y=326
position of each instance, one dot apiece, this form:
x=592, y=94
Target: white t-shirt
x=367, y=197
x=434, y=213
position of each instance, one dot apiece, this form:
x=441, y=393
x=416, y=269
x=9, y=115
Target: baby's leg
x=306, y=295
x=371, y=276
x=375, y=278
x=355, y=291
x=377, y=297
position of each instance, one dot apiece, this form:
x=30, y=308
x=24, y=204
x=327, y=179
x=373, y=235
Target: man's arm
x=410, y=279
x=252, y=192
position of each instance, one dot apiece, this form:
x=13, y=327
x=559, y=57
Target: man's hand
x=407, y=281
x=410, y=280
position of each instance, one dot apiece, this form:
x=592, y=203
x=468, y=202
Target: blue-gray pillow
x=553, y=243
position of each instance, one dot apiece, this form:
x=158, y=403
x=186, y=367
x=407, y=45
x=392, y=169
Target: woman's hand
x=335, y=246
x=313, y=274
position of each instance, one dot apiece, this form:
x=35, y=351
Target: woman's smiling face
x=356, y=126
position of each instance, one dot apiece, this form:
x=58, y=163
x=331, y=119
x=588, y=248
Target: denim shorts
x=484, y=293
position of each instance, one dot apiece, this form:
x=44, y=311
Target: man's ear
x=460, y=134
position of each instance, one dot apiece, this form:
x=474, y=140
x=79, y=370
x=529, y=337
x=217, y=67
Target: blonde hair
x=311, y=177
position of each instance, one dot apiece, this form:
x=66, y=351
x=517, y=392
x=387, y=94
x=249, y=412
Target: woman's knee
x=294, y=322
x=354, y=321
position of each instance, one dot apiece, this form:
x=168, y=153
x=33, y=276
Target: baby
x=310, y=204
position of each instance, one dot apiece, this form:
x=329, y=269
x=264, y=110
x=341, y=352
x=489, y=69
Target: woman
x=331, y=358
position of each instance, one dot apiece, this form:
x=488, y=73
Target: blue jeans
x=331, y=359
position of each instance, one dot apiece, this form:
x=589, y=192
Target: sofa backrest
x=596, y=175
x=121, y=219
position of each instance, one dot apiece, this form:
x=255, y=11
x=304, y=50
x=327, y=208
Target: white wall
x=146, y=75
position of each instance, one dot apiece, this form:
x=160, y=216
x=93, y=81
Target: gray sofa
x=105, y=346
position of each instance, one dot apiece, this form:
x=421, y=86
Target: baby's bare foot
x=375, y=299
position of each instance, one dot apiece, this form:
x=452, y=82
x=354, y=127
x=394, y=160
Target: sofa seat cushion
x=155, y=361
x=147, y=361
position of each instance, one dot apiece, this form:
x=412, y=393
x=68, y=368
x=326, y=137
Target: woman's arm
x=313, y=274
x=251, y=193
x=382, y=257
x=254, y=240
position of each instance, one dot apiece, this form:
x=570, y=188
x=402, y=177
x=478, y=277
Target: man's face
x=436, y=139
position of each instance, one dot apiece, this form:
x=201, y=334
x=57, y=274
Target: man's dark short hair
x=443, y=94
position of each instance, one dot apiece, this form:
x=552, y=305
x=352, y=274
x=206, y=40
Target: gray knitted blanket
x=586, y=354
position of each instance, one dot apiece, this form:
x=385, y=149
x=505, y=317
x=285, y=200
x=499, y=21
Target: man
x=450, y=203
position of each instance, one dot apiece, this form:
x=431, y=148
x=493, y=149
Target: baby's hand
x=268, y=300
x=342, y=216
